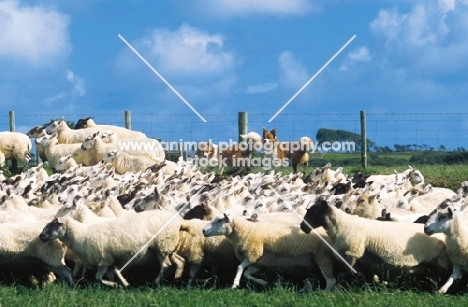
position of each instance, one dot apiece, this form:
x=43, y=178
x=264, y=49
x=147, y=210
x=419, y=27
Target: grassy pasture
x=279, y=295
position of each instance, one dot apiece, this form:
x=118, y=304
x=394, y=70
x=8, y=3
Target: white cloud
x=261, y=88
x=359, y=55
x=78, y=89
x=293, y=74
x=185, y=52
x=78, y=84
x=362, y=54
x=247, y=7
x=447, y=5
x=32, y=34
x=429, y=38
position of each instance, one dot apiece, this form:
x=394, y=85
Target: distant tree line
x=331, y=135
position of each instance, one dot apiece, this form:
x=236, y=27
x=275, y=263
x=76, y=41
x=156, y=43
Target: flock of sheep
x=107, y=211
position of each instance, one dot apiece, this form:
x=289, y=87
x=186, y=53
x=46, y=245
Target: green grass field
x=96, y=295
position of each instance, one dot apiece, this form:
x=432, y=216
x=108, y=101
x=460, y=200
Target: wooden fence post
x=363, y=140
x=14, y=162
x=12, y=121
x=128, y=120
x=242, y=122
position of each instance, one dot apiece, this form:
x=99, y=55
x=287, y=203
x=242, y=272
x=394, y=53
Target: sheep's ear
x=323, y=203
x=450, y=212
x=156, y=192
x=372, y=198
x=228, y=216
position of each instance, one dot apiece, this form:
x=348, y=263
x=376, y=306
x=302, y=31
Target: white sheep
x=101, y=245
x=14, y=145
x=96, y=147
x=200, y=251
x=54, y=151
x=19, y=244
x=125, y=162
x=273, y=246
x=448, y=222
x=399, y=245
x=66, y=135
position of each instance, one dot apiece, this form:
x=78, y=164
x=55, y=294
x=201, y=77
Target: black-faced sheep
x=120, y=132
x=398, y=245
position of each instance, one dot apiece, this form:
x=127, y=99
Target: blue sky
x=225, y=56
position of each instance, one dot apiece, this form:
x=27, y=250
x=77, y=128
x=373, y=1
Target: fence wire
x=417, y=131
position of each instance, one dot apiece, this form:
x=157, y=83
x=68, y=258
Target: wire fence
x=414, y=131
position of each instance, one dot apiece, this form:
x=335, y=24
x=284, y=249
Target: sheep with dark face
x=398, y=245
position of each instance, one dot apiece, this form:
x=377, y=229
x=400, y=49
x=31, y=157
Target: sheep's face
x=62, y=163
x=88, y=143
x=109, y=157
x=53, y=127
x=36, y=132
x=53, y=230
x=149, y=202
x=315, y=216
x=440, y=221
x=415, y=177
x=365, y=205
x=219, y=226
x=82, y=123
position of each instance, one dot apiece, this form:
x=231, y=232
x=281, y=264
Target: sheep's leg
x=331, y=282
x=100, y=273
x=77, y=269
x=240, y=269
x=179, y=263
x=165, y=264
x=64, y=273
x=343, y=274
x=194, y=269
x=50, y=278
x=457, y=273
x=251, y=270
